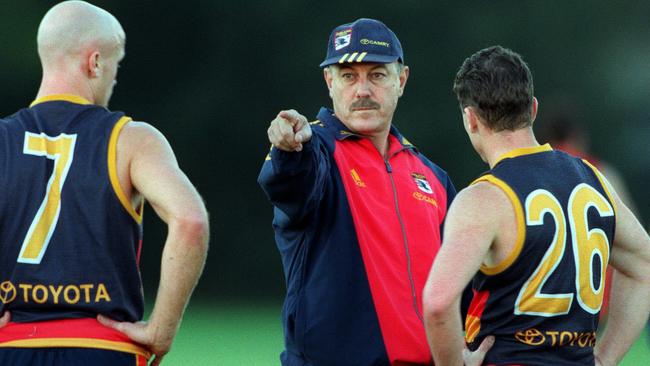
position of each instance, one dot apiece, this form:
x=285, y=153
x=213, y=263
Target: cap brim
x=382, y=59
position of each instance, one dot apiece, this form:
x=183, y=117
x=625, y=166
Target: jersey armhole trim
x=112, y=171
x=601, y=179
x=521, y=226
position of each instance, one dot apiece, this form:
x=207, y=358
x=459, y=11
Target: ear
x=471, y=119
x=533, y=110
x=327, y=74
x=403, y=77
x=92, y=65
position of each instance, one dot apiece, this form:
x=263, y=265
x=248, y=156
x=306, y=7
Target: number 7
x=61, y=150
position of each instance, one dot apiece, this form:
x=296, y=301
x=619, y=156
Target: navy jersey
x=69, y=238
x=542, y=302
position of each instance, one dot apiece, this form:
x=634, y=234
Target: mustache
x=365, y=103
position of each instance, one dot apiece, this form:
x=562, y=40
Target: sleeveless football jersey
x=542, y=302
x=69, y=239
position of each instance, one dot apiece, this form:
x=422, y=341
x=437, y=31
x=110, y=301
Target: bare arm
x=468, y=229
x=155, y=174
x=630, y=295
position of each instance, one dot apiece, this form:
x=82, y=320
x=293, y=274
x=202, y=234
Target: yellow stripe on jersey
x=472, y=328
x=112, y=170
x=77, y=343
x=521, y=226
x=524, y=151
x=61, y=97
x=601, y=179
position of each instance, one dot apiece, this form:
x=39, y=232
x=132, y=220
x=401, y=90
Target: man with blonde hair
x=74, y=176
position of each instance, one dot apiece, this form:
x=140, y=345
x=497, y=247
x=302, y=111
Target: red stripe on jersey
x=474, y=313
x=137, y=256
x=387, y=229
x=86, y=332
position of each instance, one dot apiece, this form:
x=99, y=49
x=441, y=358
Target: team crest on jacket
x=422, y=183
x=342, y=39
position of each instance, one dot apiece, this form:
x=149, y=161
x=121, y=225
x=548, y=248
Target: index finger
x=293, y=116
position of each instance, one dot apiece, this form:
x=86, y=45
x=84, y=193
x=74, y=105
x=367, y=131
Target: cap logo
x=365, y=41
x=342, y=39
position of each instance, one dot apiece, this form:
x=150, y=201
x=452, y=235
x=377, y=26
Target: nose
x=363, y=88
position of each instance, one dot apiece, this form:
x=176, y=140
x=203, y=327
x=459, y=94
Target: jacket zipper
x=389, y=169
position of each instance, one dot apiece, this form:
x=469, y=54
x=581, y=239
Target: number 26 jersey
x=542, y=302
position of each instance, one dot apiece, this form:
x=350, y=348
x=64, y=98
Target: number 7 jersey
x=542, y=302
x=69, y=238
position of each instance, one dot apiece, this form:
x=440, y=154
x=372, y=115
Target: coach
x=357, y=212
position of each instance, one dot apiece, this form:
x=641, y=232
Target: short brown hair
x=497, y=82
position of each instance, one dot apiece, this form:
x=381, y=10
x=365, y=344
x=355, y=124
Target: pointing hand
x=289, y=130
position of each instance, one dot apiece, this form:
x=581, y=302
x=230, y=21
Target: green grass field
x=251, y=335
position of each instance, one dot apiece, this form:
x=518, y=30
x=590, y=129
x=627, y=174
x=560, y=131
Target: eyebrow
x=346, y=66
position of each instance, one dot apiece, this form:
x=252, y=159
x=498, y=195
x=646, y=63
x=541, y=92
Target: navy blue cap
x=364, y=40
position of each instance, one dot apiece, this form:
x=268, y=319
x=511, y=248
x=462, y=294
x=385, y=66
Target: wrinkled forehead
x=366, y=66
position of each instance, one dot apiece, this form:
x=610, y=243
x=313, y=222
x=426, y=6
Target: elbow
x=194, y=226
x=436, y=304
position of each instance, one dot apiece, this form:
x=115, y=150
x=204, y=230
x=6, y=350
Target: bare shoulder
x=141, y=139
x=482, y=220
x=483, y=208
x=481, y=198
x=141, y=132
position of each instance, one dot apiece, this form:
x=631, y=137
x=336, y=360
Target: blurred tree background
x=211, y=75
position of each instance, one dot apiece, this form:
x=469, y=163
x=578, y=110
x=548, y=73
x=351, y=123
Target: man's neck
x=382, y=144
x=503, y=142
x=60, y=84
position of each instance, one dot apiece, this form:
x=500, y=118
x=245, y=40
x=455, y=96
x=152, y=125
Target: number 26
x=587, y=243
